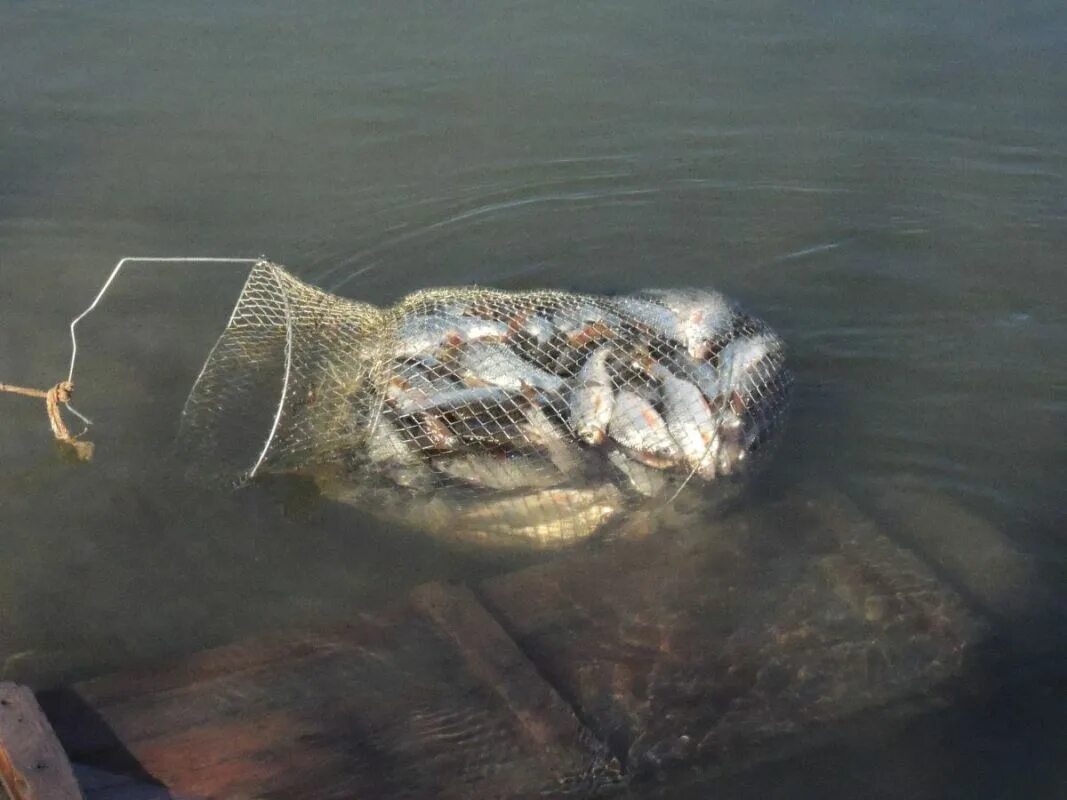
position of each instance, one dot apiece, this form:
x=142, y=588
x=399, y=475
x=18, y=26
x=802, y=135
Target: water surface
x=885, y=183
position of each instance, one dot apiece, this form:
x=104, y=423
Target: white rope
x=114, y=274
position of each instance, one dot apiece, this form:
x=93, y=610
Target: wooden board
x=428, y=700
x=727, y=646
x=683, y=654
x=983, y=562
x=32, y=764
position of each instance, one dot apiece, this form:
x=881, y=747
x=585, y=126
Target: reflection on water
x=885, y=186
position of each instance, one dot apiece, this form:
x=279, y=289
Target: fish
x=428, y=369
x=741, y=357
x=740, y=366
x=415, y=384
x=408, y=400
x=422, y=406
x=689, y=420
x=637, y=425
x=643, y=479
x=414, y=476
x=498, y=365
x=540, y=432
x=538, y=328
x=425, y=333
x=387, y=444
x=698, y=319
x=586, y=323
x=493, y=471
x=592, y=399
x=706, y=377
x=391, y=454
x=404, y=397
x=703, y=316
x=577, y=524
x=431, y=433
x=440, y=435
x=548, y=516
x=491, y=426
x=652, y=315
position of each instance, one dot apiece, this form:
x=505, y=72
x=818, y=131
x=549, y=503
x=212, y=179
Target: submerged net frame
x=504, y=417
x=486, y=415
x=513, y=417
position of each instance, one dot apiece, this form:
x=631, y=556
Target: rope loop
x=58, y=395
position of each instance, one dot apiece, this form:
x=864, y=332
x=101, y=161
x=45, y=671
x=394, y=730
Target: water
x=886, y=184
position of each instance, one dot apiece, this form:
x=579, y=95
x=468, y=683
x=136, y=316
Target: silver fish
x=424, y=333
x=538, y=328
x=643, y=479
x=434, y=434
x=392, y=454
x=386, y=444
x=693, y=317
x=741, y=357
x=689, y=420
x=703, y=316
x=489, y=426
x=654, y=316
x=586, y=323
x=414, y=476
x=407, y=400
x=637, y=425
x=707, y=378
x=415, y=385
x=592, y=399
x=548, y=516
x=539, y=431
x=426, y=368
x=500, y=472
x=499, y=365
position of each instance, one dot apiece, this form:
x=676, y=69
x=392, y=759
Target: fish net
x=528, y=417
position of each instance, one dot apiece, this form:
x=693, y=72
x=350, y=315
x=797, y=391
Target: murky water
x=886, y=185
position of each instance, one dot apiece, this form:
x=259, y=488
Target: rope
x=58, y=394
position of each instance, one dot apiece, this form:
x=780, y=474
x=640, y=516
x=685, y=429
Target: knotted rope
x=60, y=393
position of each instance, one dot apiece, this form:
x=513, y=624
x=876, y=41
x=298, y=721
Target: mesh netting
x=506, y=417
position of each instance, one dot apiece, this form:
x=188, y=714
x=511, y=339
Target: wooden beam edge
x=33, y=766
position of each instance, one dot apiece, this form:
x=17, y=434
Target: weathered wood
x=32, y=763
x=724, y=646
x=492, y=656
x=982, y=561
x=407, y=704
x=96, y=784
x=710, y=648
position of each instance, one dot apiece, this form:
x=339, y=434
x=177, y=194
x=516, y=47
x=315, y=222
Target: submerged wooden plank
x=492, y=656
x=419, y=702
x=711, y=647
x=974, y=555
x=96, y=784
x=725, y=645
x=32, y=763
